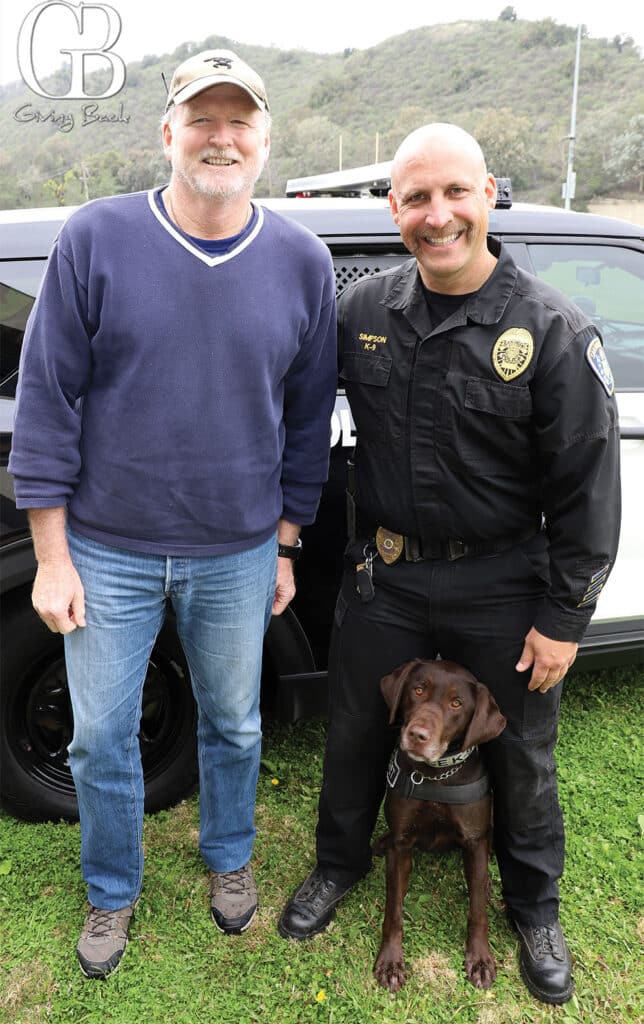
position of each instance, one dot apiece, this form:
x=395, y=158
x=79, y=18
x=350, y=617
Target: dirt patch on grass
x=25, y=992
x=434, y=970
x=493, y=1014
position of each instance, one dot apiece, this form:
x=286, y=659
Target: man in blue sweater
x=171, y=438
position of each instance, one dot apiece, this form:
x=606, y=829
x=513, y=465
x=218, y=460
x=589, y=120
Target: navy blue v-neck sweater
x=176, y=402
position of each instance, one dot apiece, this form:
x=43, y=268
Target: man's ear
x=393, y=206
x=166, y=136
x=490, y=191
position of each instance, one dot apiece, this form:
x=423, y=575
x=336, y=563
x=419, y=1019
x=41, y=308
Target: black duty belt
x=393, y=546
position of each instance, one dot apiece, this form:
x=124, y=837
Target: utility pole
x=84, y=177
x=568, y=188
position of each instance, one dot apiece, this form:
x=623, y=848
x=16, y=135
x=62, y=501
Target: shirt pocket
x=494, y=432
x=366, y=378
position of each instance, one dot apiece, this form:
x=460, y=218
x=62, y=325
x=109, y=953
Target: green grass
x=180, y=970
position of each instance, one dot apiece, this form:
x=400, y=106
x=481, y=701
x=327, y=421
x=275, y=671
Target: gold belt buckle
x=390, y=545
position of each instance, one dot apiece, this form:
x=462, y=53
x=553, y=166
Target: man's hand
x=58, y=596
x=287, y=533
x=285, y=585
x=550, y=660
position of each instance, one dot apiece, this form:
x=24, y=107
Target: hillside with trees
x=508, y=81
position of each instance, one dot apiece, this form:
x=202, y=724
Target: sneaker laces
x=232, y=883
x=102, y=923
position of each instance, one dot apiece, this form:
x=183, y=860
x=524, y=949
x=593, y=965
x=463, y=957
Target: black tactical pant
x=477, y=612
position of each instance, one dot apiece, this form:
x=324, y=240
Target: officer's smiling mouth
x=438, y=242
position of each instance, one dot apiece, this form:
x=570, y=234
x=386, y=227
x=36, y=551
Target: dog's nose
x=418, y=734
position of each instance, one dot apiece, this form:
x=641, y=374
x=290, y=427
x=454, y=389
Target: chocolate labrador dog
x=438, y=796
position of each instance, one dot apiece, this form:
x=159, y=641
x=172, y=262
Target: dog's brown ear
x=487, y=722
x=392, y=686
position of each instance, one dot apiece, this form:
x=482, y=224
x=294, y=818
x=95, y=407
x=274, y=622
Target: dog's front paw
x=390, y=972
x=480, y=970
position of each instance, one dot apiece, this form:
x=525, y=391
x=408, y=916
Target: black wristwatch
x=290, y=550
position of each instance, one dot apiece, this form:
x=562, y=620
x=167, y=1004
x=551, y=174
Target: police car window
x=15, y=307
x=607, y=282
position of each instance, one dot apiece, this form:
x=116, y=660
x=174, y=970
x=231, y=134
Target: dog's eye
x=456, y=703
x=418, y=690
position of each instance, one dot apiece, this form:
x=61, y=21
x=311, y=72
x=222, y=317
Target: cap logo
x=215, y=67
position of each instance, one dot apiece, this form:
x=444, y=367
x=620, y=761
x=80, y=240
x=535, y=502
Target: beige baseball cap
x=215, y=67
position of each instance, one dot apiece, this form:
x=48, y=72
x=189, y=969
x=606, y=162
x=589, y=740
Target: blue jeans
x=223, y=607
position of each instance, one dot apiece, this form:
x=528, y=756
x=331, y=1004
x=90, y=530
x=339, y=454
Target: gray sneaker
x=233, y=899
x=103, y=940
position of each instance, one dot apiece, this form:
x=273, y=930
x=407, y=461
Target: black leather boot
x=312, y=907
x=545, y=963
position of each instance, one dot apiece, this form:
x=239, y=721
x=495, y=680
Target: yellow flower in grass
x=321, y=996
x=275, y=782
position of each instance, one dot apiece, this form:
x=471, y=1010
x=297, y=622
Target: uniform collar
x=486, y=306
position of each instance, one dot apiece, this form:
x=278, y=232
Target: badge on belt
x=390, y=545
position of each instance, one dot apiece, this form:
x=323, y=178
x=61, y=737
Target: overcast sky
x=327, y=26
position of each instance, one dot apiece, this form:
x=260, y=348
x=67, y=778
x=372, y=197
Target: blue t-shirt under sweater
x=173, y=401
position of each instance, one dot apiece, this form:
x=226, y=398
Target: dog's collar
x=451, y=759
x=430, y=787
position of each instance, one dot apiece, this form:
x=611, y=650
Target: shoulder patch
x=512, y=353
x=598, y=362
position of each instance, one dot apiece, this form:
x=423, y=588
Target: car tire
x=36, y=721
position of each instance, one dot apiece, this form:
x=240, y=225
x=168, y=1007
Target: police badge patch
x=512, y=353
x=596, y=358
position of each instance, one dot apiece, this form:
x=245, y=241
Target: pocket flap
x=366, y=368
x=497, y=398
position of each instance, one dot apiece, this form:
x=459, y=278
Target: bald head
x=440, y=198
x=437, y=138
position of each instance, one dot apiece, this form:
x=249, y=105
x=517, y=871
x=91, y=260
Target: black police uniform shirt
x=475, y=429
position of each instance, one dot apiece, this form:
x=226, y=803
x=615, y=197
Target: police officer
x=488, y=502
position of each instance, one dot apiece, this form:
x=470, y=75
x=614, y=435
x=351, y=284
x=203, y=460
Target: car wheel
x=36, y=721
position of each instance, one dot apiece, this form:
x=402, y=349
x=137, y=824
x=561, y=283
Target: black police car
x=596, y=260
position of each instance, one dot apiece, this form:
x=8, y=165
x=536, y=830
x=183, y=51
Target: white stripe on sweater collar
x=210, y=261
